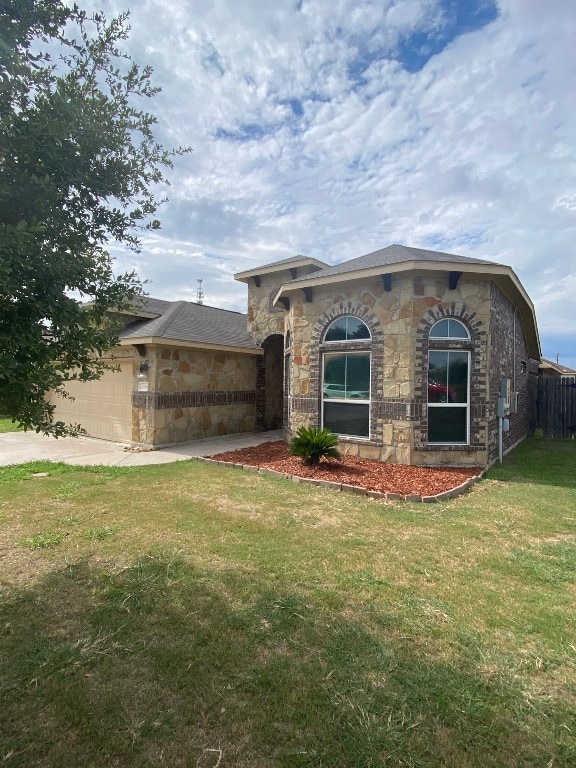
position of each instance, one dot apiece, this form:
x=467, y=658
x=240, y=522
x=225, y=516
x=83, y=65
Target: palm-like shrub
x=312, y=444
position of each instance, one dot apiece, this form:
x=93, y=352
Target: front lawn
x=7, y=425
x=199, y=616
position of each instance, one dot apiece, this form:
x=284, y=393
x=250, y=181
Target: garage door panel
x=102, y=407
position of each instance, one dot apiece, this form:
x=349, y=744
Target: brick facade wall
x=507, y=352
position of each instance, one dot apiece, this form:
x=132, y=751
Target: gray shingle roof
x=186, y=321
x=278, y=265
x=148, y=304
x=281, y=263
x=393, y=254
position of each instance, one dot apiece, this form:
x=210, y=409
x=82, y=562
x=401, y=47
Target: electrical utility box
x=503, y=408
x=514, y=402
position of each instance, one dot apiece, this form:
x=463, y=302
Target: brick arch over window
x=375, y=345
x=476, y=345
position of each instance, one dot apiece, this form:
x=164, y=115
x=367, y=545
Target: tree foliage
x=78, y=168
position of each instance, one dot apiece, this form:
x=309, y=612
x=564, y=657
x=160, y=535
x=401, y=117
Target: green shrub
x=312, y=444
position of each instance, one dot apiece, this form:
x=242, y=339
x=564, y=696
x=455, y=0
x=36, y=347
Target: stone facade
x=171, y=392
x=264, y=319
x=266, y=325
x=399, y=320
x=193, y=394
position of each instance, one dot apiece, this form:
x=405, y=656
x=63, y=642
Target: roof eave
x=171, y=342
x=396, y=268
x=245, y=276
x=503, y=276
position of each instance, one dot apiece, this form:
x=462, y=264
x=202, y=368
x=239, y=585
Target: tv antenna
x=200, y=293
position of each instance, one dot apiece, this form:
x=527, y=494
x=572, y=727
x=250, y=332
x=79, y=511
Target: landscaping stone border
x=345, y=488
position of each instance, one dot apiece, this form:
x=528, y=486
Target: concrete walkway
x=19, y=447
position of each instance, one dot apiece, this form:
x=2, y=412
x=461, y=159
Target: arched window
x=347, y=328
x=346, y=377
x=448, y=384
x=448, y=328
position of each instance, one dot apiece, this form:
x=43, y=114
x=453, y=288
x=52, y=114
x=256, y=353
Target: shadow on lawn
x=161, y=664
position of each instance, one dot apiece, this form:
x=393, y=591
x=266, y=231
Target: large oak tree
x=78, y=167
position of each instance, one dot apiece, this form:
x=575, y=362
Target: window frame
x=287, y=376
x=449, y=338
x=330, y=349
x=333, y=353
x=463, y=406
x=366, y=340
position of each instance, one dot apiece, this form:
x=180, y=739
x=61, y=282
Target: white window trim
x=348, y=400
x=346, y=341
x=453, y=405
x=449, y=338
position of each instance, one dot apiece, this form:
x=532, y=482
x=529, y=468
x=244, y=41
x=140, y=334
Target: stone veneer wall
x=399, y=321
x=265, y=322
x=194, y=394
x=264, y=319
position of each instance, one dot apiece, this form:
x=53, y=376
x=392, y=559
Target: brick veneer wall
x=507, y=351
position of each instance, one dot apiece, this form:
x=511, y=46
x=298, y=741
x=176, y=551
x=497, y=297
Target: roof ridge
x=195, y=303
x=169, y=316
x=413, y=249
x=409, y=253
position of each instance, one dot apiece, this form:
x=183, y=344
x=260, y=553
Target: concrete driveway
x=19, y=447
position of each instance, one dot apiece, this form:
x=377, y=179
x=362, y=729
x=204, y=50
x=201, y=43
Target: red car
x=438, y=393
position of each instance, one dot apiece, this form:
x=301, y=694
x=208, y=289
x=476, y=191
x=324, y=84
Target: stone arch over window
x=346, y=360
x=450, y=380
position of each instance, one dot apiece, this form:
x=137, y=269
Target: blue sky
x=332, y=128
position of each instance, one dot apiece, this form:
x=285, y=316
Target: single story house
x=185, y=372
x=551, y=370
x=403, y=352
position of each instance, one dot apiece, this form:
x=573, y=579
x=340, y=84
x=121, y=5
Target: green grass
x=7, y=425
x=193, y=615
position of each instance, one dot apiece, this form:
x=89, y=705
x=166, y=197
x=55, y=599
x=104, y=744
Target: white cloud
x=343, y=150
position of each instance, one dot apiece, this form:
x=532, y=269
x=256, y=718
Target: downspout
x=501, y=399
x=500, y=414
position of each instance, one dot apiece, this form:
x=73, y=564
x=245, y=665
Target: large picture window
x=346, y=379
x=448, y=385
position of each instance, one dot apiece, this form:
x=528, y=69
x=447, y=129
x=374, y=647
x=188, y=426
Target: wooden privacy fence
x=553, y=406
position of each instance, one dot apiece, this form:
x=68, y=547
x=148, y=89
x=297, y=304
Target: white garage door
x=102, y=407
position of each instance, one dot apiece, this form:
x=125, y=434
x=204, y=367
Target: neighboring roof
x=185, y=321
x=278, y=266
x=396, y=259
x=561, y=370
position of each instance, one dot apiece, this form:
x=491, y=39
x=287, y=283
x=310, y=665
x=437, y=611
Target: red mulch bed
x=372, y=475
